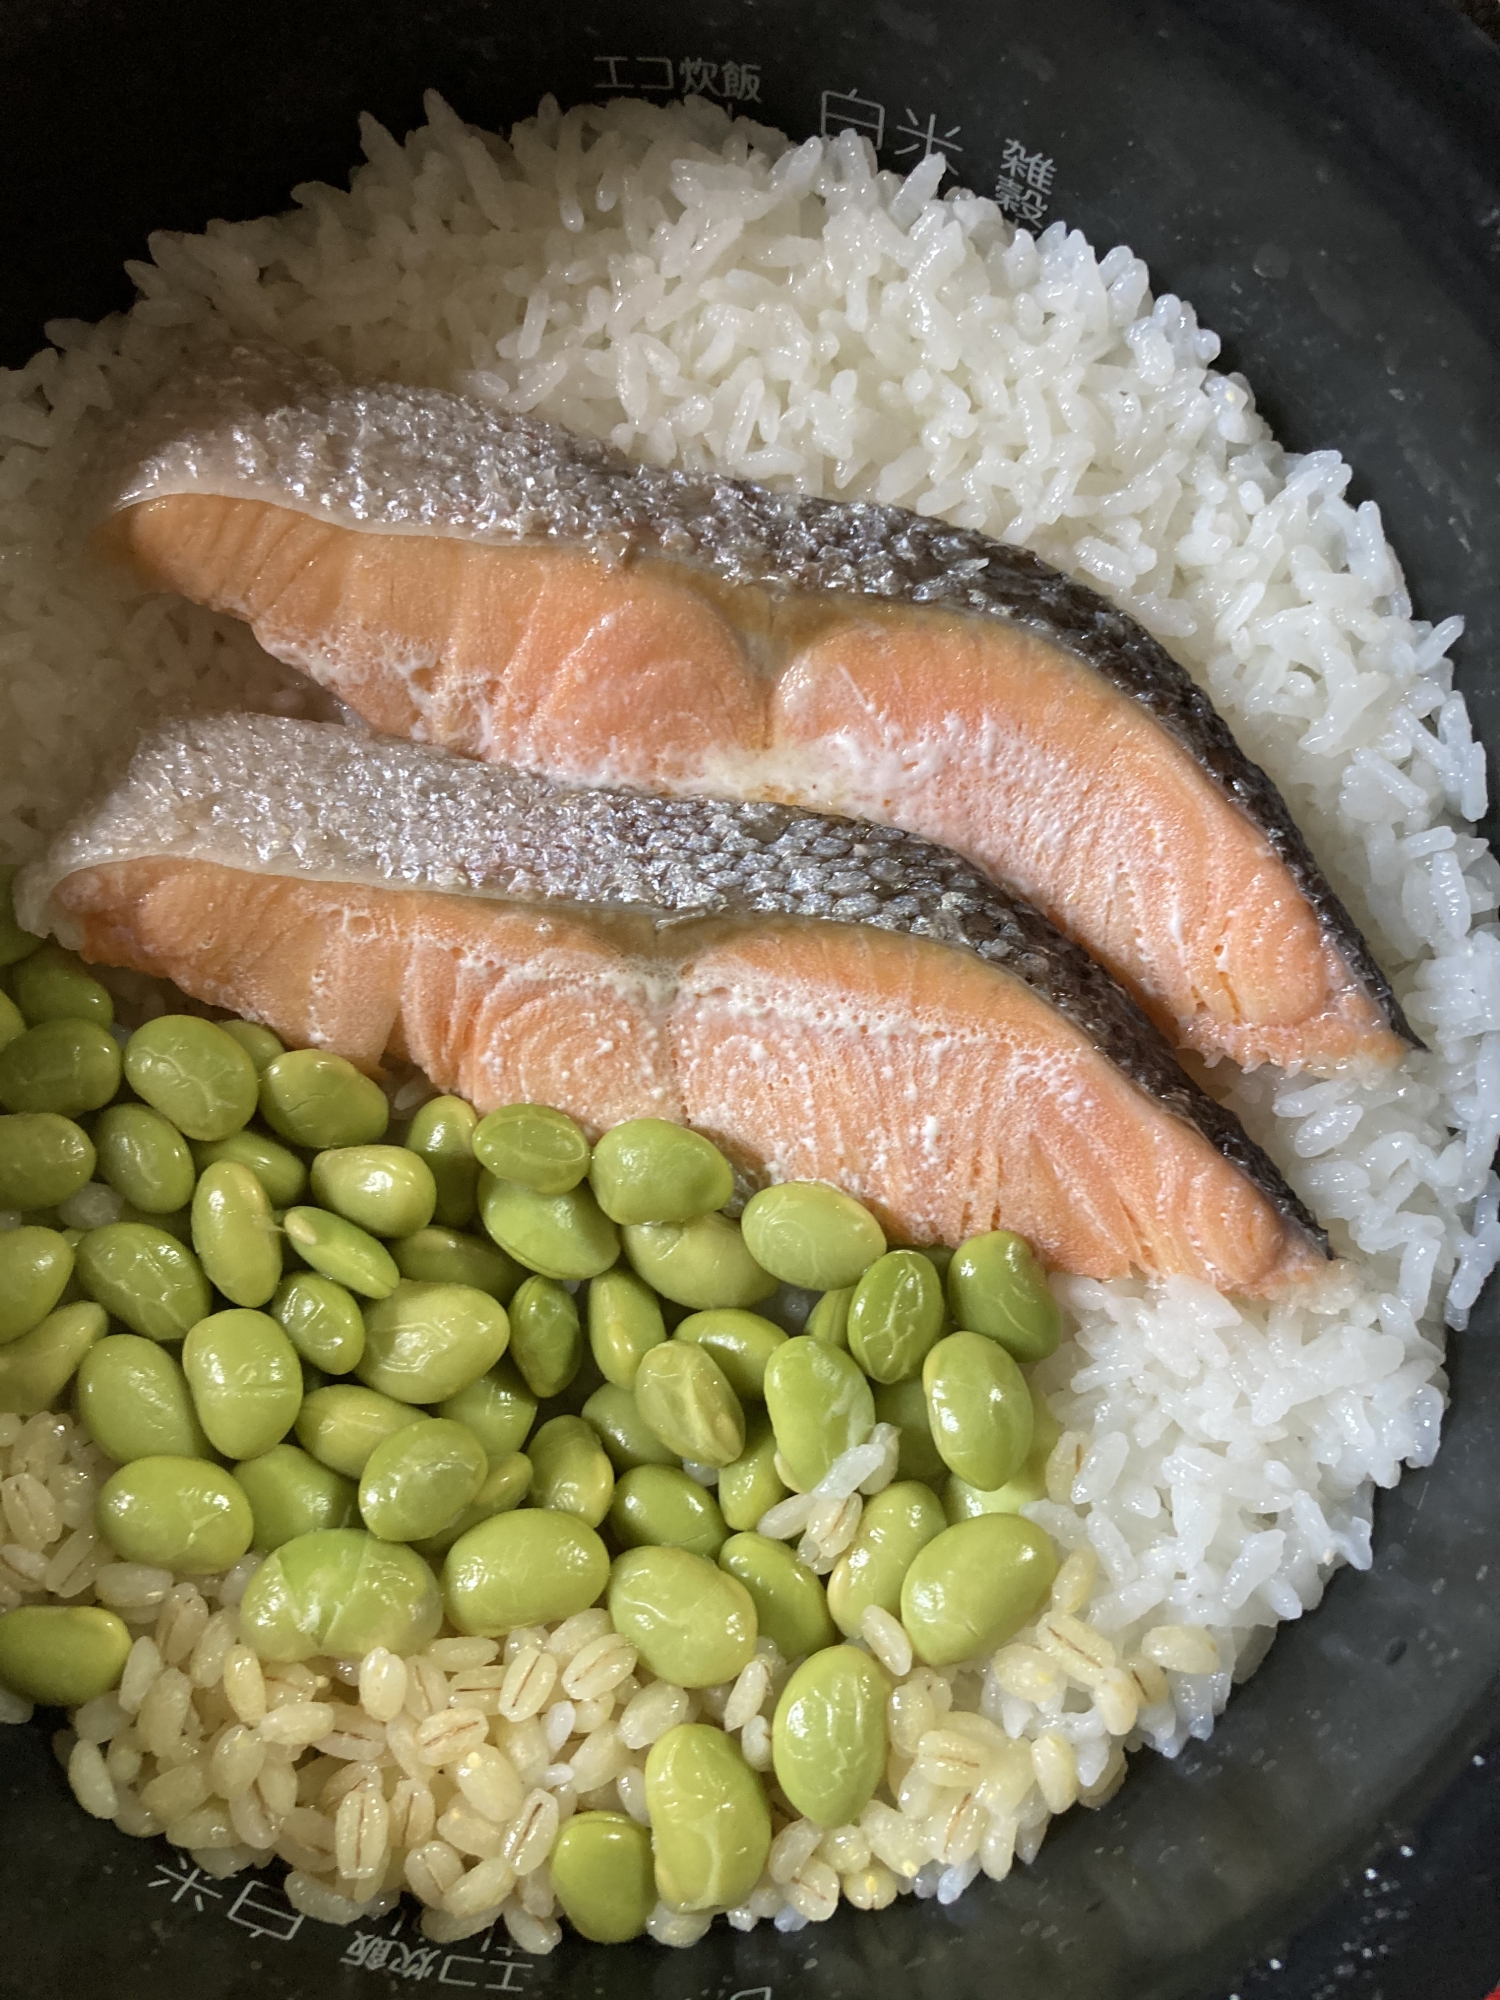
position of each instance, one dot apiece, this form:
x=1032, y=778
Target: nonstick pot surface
x=1322, y=180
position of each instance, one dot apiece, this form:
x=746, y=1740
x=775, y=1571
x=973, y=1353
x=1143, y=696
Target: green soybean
x=342, y=1251
x=533, y=1146
x=979, y=1408
x=819, y=1404
x=604, y=1876
x=322, y=1320
x=895, y=1316
x=505, y=1486
x=442, y=1134
x=710, y=1823
x=261, y=1044
x=751, y=1485
x=625, y=1322
x=35, y=1369
x=974, y=1585
x=235, y=1234
x=546, y=1339
x=44, y=1159
x=246, y=1381
x=997, y=1287
x=960, y=1499
x=791, y=1605
x=685, y=1397
x=143, y=1276
x=340, y=1592
x=290, y=1494
x=703, y=1264
x=175, y=1513
x=65, y=1067
x=385, y=1189
x=808, y=1233
x=12, y=1022
x=275, y=1166
x=560, y=1236
x=62, y=1655
x=648, y=1170
x=529, y=1567
x=341, y=1425
x=570, y=1471
x=904, y=1404
x=894, y=1528
x=741, y=1342
x=829, y=1319
x=623, y=1431
x=318, y=1100
x=144, y=1158
x=498, y=1408
x=418, y=1479
x=193, y=1073
x=426, y=1342
x=828, y=1737
x=15, y=943
x=442, y=1256
x=51, y=985
x=135, y=1401
x=660, y=1506
x=35, y=1266
x=690, y=1622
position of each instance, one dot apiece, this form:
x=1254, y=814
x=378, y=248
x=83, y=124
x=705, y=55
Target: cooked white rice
x=703, y=293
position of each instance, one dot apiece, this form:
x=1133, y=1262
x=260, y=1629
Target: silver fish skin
x=327, y=803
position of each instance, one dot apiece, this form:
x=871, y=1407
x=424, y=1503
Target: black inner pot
x=1322, y=179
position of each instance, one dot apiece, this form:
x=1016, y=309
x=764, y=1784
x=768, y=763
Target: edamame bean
x=15, y=943
x=322, y=1321
x=648, y=1170
x=290, y=1494
x=560, y=1236
x=819, y=1404
x=315, y=1099
x=751, y=1485
x=625, y=1321
x=703, y=1264
x=340, y=1592
x=62, y=1655
x=690, y=1622
x=235, y=1235
x=974, y=1585
x=894, y=1528
x=135, y=1401
x=546, y=1340
x=623, y=1431
x=979, y=1408
x=659, y=1506
x=532, y=1146
x=529, y=1567
x=143, y=1276
x=12, y=1022
x=808, y=1233
x=710, y=1824
x=35, y=1266
x=144, y=1158
x=570, y=1472
x=499, y=1409
x=418, y=1479
x=442, y=1134
x=904, y=1404
x=66, y=1067
x=829, y=1319
x=384, y=1189
x=960, y=1499
x=442, y=1256
x=182, y=1514
x=192, y=1073
x=259, y=1043
x=35, y=1369
x=44, y=1160
x=828, y=1737
x=741, y=1342
x=997, y=1287
x=275, y=1166
x=895, y=1316
x=505, y=1486
x=684, y=1396
x=342, y=1251
x=51, y=985
x=604, y=1876
x=246, y=1381
x=341, y=1425
x=426, y=1342
x=790, y=1604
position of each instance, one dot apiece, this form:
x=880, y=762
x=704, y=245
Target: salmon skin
x=511, y=591
x=620, y=953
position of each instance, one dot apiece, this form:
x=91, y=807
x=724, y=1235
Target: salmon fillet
x=511, y=592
